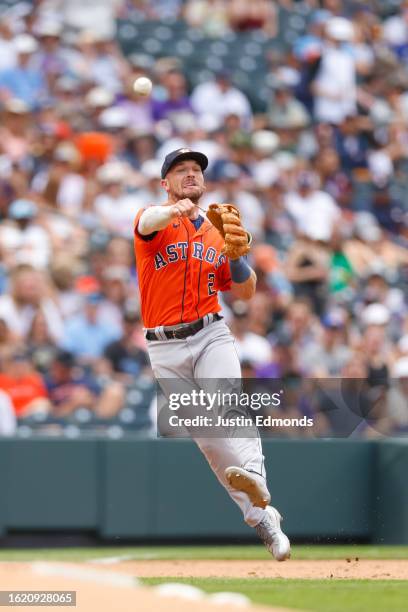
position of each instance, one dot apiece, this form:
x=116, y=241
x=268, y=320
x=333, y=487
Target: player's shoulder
x=142, y=210
x=138, y=237
x=145, y=207
x=152, y=240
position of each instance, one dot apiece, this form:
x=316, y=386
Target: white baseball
x=143, y=86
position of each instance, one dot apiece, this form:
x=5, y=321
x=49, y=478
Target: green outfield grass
x=311, y=595
x=203, y=552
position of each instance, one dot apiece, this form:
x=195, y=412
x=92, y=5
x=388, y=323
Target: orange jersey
x=180, y=271
x=23, y=390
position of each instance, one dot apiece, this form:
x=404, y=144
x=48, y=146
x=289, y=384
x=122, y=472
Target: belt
x=179, y=332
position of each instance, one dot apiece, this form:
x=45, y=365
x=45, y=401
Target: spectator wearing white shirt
x=315, y=212
x=16, y=134
x=115, y=208
x=97, y=59
x=220, y=98
x=22, y=239
x=97, y=100
x=95, y=15
x=60, y=183
x=190, y=133
x=152, y=191
x=397, y=396
x=26, y=297
x=396, y=29
x=8, y=423
x=335, y=83
x=286, y=112
x=253, y=215
x=8, y=54
x=263, y=167
x=251, y=347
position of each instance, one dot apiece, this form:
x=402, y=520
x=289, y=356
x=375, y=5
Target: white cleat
x=250, y=483
x=276, y=542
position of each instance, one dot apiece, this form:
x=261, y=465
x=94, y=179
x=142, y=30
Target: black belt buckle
x=177, y=333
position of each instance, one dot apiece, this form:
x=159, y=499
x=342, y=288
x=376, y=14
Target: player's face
x=185, y=180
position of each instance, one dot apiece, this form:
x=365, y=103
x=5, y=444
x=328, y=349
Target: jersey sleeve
x=148, y=237
x=224, y=276
x=152, y=238
x=136, y=222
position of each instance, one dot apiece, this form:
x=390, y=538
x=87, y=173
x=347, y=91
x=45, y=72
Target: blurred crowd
x=320, y=176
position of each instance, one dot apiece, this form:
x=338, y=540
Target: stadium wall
x=143, y=489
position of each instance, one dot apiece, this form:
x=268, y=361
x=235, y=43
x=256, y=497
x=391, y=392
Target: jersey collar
x=205, y=226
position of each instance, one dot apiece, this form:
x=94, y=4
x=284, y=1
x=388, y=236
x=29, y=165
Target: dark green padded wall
x=50, y=484
x=152, y=489
x=392, y=492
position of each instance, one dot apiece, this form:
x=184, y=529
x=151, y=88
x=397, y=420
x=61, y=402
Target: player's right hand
x=182, y=208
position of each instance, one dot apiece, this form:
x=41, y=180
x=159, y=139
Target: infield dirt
x=98, y=596
x=350, y=568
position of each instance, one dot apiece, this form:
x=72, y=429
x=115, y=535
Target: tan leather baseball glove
x=227, y=219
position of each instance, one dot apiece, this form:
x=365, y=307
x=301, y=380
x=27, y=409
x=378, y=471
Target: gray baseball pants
x=211, y=354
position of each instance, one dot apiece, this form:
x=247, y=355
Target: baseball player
x=177, y=247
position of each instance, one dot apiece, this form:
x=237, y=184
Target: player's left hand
x=227, y=219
